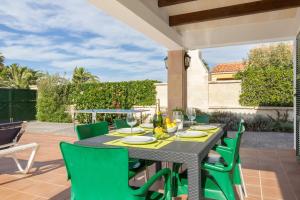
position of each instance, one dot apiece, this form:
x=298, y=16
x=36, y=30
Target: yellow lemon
x=168, y=121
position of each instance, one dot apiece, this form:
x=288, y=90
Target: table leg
x=194, y=179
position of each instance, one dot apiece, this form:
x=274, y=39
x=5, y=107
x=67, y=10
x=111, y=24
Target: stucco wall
x=204, y=94
x=162, y=93
x=224, y=93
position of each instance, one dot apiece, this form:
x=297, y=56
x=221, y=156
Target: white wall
x=197, y=82
x=224, y=93
x=162, y=93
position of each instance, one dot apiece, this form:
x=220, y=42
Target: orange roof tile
x=228, y=67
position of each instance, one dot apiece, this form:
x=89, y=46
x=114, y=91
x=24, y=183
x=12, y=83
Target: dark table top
x=176, y=151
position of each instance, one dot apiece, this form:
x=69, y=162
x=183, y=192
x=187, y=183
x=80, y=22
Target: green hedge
x=113, y=94
x=268, y=78
x=123, y=95
x=271, y=86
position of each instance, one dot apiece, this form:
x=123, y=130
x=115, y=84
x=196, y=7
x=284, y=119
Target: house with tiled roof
x=226, y=71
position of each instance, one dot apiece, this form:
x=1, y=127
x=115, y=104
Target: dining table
x=172, y=149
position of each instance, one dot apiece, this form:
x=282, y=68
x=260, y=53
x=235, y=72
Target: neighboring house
x=226, y=71
x=216, y=90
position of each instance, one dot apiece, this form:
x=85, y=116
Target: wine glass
x=178, y=118
x=191, y=113
x=131, y=121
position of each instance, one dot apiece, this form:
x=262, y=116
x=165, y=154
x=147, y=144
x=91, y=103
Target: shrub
x=254, y=122
x=268, y=78
x=52, y=101
x=55, y=95
x=232, y=120
x=112, y=95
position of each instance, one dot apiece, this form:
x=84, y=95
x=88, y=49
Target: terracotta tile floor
x=269, y=174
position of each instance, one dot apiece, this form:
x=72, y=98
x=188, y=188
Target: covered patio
x=183, y=25
x=270, y=172
x=180, y=26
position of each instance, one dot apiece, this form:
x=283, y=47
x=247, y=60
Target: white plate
x=203, y=127
x=146, y=125
x=138, y=140
x=191, y=134
x=135, y=130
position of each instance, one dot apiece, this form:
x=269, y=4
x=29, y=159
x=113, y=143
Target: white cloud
x=44, y=31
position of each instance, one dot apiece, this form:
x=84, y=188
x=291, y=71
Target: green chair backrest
x=236, y=144
x=120, y=123
x=91, y=130
x=202, y=118
x=96, y=173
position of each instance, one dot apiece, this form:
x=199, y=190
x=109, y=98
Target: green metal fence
x=17, y=104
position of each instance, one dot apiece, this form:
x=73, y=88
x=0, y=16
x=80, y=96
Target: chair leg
x=29, y=162
x=243, y=181
x=225, y=183
x=146, y=174
x=241, y=193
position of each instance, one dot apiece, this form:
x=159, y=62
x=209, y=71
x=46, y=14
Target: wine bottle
x=157, y=118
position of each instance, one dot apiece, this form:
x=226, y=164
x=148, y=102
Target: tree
x=268, y=77
x=53, y=97
x=80, y=75
x=17, y=76
x=1, y=61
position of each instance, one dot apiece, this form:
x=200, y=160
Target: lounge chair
x=10, y=134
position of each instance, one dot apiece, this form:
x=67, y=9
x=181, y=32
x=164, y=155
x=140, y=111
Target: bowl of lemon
x=171, y=127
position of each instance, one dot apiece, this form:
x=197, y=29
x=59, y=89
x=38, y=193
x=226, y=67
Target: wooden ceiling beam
x=163, y=3
x=233, y=11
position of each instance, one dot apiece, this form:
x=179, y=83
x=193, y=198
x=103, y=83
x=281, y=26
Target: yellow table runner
x=198, y=139
x=155, y=145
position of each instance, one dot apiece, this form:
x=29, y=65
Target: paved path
x=36, y=127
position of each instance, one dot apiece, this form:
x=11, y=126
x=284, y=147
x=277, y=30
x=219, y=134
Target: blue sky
x=56, y=36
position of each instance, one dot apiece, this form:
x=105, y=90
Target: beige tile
x=21, y=196
x=43, y=189
x=252, y=180
x=253, y=191
x=5, y=193
x=272, y=192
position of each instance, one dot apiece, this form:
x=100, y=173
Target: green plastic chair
x=199, y=118
x=228, y=144
x=102, y=174
x=202, y=119
x=218, y=177
x=86, y=131
x=120, y=123
x=91, y=130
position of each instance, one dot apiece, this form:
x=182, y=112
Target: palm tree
x=1, y=61
x=80, y=75
x=16, y=76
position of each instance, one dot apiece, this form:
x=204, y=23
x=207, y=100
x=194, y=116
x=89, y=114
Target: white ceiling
x=146, y=17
